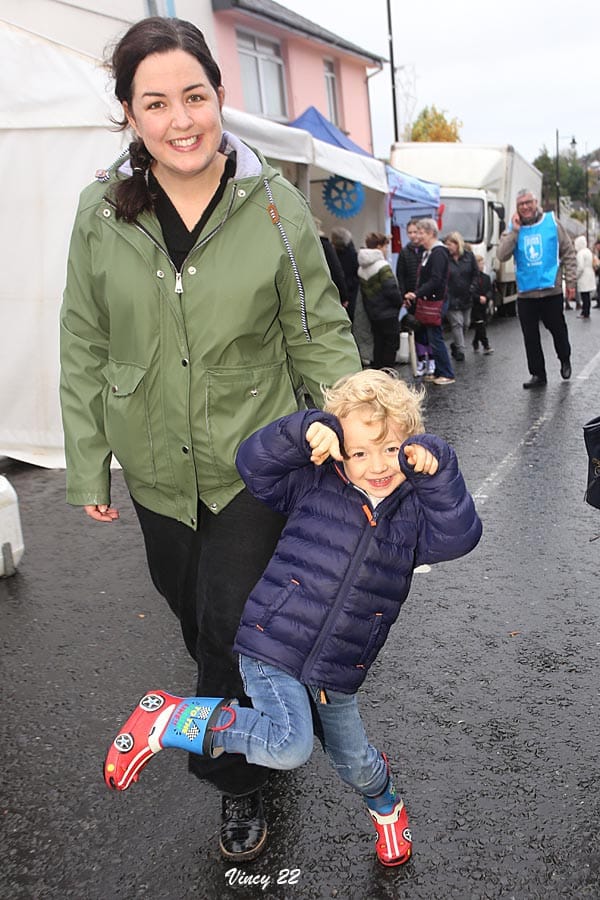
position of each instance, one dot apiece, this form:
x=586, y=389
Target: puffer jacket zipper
x=357, y=561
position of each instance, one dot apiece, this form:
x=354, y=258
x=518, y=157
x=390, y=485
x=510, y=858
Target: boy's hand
x=421, y=459
x=323, y=442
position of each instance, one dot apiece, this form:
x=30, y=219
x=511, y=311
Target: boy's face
x=372, y=464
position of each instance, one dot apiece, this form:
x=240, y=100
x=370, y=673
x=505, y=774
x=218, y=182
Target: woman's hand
x=421, y=459
x=323, y=442
x=102, y=512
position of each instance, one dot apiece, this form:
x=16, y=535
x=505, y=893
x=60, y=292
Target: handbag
x=591, y=436
x=428, y=312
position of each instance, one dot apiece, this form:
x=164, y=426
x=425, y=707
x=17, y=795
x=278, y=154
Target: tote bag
x=428, y=312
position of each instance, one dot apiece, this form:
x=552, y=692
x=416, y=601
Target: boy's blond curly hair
x=382, y=395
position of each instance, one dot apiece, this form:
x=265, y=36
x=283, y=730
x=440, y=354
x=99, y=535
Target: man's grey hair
x=429, y=225
x=523, y=193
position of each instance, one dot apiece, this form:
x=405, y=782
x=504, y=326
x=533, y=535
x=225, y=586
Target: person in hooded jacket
x=196, y=307
x=381, y=298
x=369, y=496
x=586, y=278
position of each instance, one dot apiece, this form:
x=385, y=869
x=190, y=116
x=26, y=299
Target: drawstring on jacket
x=274, y=214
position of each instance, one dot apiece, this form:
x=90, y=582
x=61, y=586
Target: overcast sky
x=511, y=71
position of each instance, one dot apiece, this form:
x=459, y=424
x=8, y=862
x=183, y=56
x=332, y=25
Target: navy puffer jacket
x=341, y=570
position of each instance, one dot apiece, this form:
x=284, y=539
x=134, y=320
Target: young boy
x=368, y=498
x=481, y=300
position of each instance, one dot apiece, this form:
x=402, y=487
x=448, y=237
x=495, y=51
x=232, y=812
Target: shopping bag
x=591, y=436
x=428, y=312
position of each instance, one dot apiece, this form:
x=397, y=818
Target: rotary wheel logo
x=342, y=197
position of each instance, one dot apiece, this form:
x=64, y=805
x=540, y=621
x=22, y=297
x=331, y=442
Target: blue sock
x=191, y=723
x=385, y=801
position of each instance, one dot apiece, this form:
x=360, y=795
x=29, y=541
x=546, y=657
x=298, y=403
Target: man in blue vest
x=542, y=249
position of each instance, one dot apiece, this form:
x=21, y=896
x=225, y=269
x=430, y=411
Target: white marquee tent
x=54, y=133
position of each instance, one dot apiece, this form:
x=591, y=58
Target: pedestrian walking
x=407, y=268
x=432, y=287
x=481, y=302
x=197, y=303
x=463, y=284
x=586, y=278
x=540, y=246
x=368, y=497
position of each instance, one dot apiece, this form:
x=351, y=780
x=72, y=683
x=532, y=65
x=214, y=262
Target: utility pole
x=392, y=69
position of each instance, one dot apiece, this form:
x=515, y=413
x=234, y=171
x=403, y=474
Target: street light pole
x=587, y=203
x=392, y=69
x=573, y=149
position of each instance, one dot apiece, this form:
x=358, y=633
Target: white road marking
x=494, y=479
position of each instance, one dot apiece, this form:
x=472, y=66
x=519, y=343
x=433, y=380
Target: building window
x=262, y=76
x=331, y=90
x=161, y=8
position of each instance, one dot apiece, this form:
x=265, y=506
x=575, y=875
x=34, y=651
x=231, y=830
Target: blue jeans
x=278, y=731
x=443, y=366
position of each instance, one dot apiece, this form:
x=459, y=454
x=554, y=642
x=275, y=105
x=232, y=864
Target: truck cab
x=478, y=189
x=480, y=219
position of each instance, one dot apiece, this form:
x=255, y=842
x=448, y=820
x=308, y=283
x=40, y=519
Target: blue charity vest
x=536, y=255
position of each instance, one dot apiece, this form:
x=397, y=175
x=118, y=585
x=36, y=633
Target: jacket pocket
x=375, y=639
x=126, y=420
x=275, y=604
x=238, y=403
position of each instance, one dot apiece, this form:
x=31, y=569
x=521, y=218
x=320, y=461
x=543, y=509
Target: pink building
x=276, y=64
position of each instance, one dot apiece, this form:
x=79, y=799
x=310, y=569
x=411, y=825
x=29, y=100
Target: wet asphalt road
x=485, y=696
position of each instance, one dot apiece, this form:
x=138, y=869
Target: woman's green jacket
x=170, y=371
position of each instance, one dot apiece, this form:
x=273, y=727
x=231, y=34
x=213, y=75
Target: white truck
x=478, y=189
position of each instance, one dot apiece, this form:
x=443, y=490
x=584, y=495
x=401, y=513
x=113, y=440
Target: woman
x=197, y=304
x=463, y=286
x=586, y=278
x=432, y=284
x=343, y=245
x=381, y=299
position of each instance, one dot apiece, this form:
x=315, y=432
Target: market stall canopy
x=408, y=189
x=274, y=140
x=75, y=87
x=320, y=127
x=336, y=154
x=54, y=133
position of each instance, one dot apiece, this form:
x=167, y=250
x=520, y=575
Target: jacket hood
x=367, y=256
x=580, y=242
x=248, y=161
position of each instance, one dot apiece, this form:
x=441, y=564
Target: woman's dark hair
x=152, y=35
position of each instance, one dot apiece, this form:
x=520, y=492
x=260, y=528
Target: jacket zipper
x=178, y=275
x=341, y=595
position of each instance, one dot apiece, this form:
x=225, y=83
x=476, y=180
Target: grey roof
x=274, y=12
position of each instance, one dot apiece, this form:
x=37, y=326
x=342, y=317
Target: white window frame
x=331, y=91
x=258, y=55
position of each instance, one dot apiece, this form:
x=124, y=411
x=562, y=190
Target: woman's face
x=177, y=113
x=452, y=247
